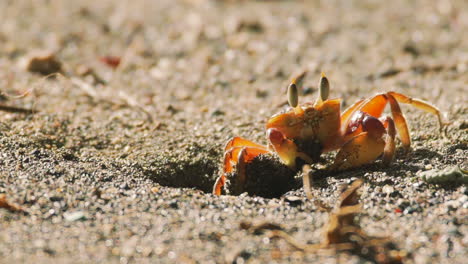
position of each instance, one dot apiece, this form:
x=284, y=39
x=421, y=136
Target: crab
x=300, y=134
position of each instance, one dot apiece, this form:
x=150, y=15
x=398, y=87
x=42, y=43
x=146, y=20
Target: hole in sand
x=198, y=166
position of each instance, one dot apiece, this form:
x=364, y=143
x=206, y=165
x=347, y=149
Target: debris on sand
x=9, y=206
x=306, y=181
x=44, y=63
x=85, y=71
x=123, y=99
x=342, y=233
x=453, y=174
x=259, y=228
x=111, y=61
x=74, y=216
x=14, y=109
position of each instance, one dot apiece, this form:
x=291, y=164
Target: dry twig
x=343, y=233
x=306, y=181
x=420, y=68
x=9, y=206
x=14, y=109
x=127, y=100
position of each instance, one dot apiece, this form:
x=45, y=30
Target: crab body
x=360, y=134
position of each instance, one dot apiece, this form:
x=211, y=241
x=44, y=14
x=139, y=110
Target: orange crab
x=361, y=134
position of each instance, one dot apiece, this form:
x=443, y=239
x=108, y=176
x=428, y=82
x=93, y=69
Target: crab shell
x=305, y=131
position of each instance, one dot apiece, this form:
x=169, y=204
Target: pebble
x=293, y=200
x=452, y=174
x=388, y=189
x=44, y=63
x=74, y=216
x=412, y=209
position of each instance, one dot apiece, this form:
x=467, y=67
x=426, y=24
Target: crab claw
x=366, y=146
x=285, y=148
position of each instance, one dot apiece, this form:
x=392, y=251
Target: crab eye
x=324, y=87
x=292, y=95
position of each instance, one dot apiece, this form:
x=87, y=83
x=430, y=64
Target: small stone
x=448, y=175
x=74, y=216
x=39, y=243
x=388, y=189
x=43, y=63
x=124, y=186
x=128, y=247
x=412, y=209
x=56, y=198
x=35, y=152
x=173, y=204
x=293, y=200
x=217, y=112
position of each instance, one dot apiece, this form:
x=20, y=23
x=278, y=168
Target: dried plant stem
x=306, y=181
x=14, y=109
x=127, y=100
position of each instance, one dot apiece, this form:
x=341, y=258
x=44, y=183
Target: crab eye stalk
x=293, y=93
x=324, y=87
x=293, y=97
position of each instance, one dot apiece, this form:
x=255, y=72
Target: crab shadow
x=197, y=166
x=406, y=165
x=272, y=179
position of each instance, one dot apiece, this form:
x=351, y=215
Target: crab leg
x=400, y=123
x=238, y=152
x=375, y=105
x=418, y=103
x=233, y=148
x=389, y=150
x=241, y=142
x=219, y=183
x=246, y=155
